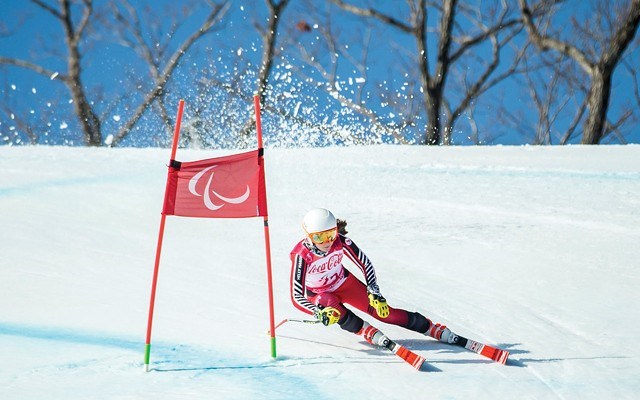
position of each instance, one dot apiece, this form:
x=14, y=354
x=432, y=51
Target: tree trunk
x=598, y=104
x=434, y=126
x=431, y=96
x=88, y=119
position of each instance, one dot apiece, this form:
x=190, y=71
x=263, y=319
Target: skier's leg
x=419, y=323
x=349, y=321
x=354, y=292
x=352, y=323
x=329, y=299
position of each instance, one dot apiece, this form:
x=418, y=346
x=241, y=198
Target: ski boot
x=373, y=335
x=442, y=333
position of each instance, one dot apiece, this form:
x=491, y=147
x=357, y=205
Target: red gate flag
x=223, y=187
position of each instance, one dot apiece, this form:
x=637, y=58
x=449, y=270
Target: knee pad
x=351, y=322
x=418, y=323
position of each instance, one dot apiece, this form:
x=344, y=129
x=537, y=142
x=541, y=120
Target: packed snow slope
x=533, y=249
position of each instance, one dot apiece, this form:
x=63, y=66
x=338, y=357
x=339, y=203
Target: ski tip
x=502, y=357
x=418, y=363
x=411, y=358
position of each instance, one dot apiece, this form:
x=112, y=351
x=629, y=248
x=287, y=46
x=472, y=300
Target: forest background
x=110, y=73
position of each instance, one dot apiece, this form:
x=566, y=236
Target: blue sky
x=39, y=96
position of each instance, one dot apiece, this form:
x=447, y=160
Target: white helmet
x=318, y=220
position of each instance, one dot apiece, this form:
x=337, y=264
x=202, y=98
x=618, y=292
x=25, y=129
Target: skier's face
x=323, y=240
x=324, y=247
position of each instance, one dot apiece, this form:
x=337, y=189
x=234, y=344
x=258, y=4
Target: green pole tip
x=273, y=347
x=147, y=353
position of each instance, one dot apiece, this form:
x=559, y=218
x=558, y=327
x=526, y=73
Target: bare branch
x=547, y=43
x=633, y=72
x=21, y=125
x=86, y=15
x=370, y=12
x=622, y=37
x=574, y=123
x=213, y=18
x=53, y=75
x=48, y=8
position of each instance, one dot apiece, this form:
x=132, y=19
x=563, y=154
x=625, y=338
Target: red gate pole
x=267, y=241
x=174, y=147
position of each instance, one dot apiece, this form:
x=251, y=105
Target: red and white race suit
x=321, y=279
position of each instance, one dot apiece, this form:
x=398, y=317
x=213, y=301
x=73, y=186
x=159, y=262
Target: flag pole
x=174, y=147
x=267, y=241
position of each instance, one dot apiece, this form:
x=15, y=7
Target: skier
x=321, y=285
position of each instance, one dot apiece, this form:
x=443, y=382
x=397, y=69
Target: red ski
x=407, y=355
x=494, y=353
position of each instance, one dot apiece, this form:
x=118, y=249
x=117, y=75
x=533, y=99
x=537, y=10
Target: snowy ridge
x=532, y=249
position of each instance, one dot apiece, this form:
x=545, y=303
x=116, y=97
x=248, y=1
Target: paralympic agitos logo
x=206, y=195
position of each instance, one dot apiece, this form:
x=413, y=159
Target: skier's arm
x=298, y=270
x=376, y=300
x=361, y=260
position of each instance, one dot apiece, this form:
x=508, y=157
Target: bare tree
x=345, y=71
x=75, y=32
x=329, y=80
x=599, y=67
x=545, y=78
x=274, y=32
x=269, y=34
x=154, y=59
x=457, y=40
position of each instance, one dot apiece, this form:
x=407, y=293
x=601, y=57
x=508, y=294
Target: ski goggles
x=325, y=236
